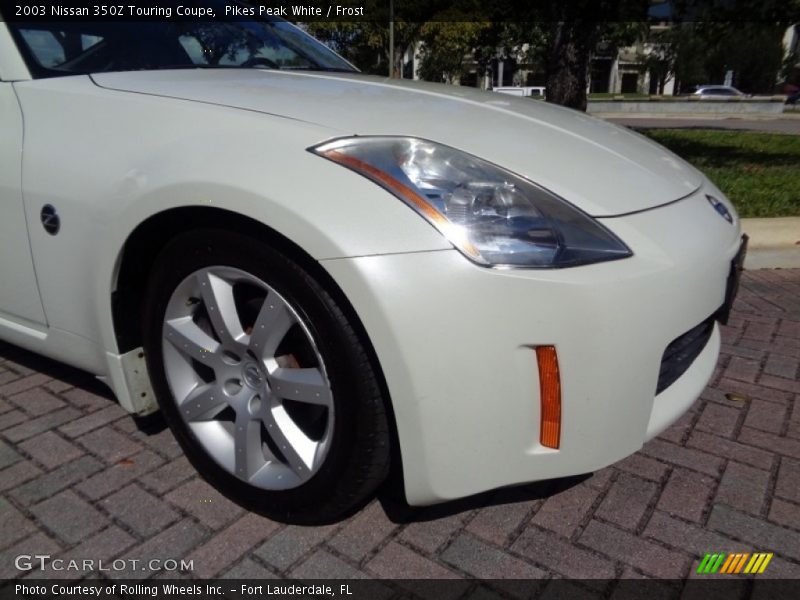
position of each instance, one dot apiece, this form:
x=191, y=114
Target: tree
x=566, y=34
x=444, y=46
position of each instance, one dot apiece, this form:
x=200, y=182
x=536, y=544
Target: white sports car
x=315, y=274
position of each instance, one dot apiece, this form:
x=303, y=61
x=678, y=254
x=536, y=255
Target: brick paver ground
x=79, y=479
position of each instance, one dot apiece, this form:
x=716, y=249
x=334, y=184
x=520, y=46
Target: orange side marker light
x=550, y=396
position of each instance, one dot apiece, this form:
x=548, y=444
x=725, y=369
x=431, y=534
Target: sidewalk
x=78, y=479
x=774, y=243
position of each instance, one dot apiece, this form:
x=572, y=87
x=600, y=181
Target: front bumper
x=456, y=341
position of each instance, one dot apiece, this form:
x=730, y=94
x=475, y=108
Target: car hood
x=604, y=169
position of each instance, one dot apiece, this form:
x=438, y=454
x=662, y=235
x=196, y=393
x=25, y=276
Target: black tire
x=358, y=455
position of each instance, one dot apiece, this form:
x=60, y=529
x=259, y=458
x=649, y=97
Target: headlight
x=492, y=216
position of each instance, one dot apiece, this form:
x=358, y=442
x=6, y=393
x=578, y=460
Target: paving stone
x=205, y=503
x=8, y=456
x=743, y=369
x=785, y=513
x=229, y=545
x=782, y=366
x=430, y=536
x=25, y=383
x=646, y=556
x=86, y=400
x=69, y=517
x=162, y=442
x=291, y=543
x=483, y=561
x=564, y=512
x=601, y=479
x=57, y=386
x=169, y=476
x=118, y=475
x=93, y=421
x=140, y=511
x=760, y=331
x=684, y=457
x=769, y=441
x=362, y=533
x=13, y=524
x=627, y=501
x=779, y=383
x=11, y=418
x=553, y=552
x=788, y=484
x=7, y=376
x=50, y=449
x=17, y=474
x=730, y=449
x=687, y=494
x=31, y=427
x=497, y=523
x=756, y=531
x=173, y=543
x=676, y=432
x=37, y=401
x=743, y=487
x=398, y=562
x=694, y=539
x=647, y=468
x=109, y=445
x=53, y=482
x=719, y=420
x=765, y=416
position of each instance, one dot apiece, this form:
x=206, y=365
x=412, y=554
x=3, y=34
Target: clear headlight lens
x=492, y=216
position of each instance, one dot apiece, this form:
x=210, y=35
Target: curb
x=774, y=243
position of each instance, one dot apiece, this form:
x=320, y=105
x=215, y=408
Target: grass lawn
x=759, y=172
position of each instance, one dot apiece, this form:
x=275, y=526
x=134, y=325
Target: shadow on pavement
x=398, y=511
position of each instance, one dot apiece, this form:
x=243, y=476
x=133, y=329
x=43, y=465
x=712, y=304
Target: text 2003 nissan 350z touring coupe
x=308, y=270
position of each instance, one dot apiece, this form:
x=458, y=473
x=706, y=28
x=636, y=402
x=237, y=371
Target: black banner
x=403, y=10
x=729, y=588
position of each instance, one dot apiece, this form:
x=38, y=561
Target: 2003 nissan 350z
x=314, y=273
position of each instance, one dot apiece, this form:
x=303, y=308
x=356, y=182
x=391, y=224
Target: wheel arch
x=142, y=247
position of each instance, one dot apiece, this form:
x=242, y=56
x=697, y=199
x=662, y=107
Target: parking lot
x=80, y=479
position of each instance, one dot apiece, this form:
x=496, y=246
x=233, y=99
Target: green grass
x=759, y=172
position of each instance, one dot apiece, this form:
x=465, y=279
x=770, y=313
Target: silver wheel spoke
x=247, y=446
x=189, y=339
x=204, y=403
x=303, y=385
x=218, y=298
x=273, y=323
x=297, y=448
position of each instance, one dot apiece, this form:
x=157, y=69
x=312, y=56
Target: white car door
x=19, y=293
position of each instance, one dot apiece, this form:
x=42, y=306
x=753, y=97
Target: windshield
x=73, y=48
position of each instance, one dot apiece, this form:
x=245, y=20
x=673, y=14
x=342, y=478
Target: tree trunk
x=569, y=55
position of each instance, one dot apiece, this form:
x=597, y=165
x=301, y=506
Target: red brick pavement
x=78, y=479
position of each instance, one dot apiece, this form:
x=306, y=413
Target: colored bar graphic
x=734, y=564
